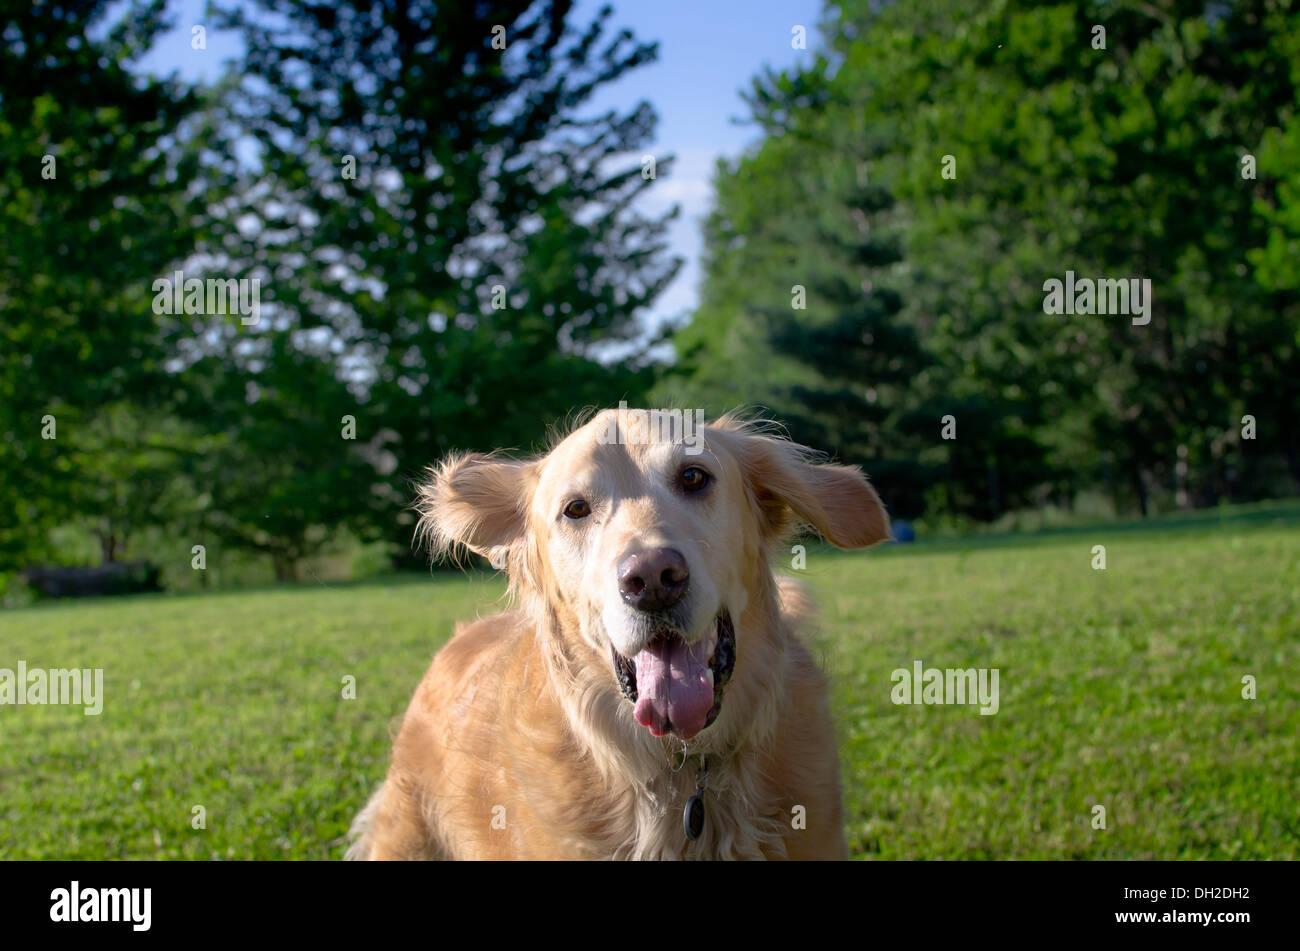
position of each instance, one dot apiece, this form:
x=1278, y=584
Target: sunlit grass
x=1119, y=688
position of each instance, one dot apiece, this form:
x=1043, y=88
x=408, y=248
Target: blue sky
x=708, y=52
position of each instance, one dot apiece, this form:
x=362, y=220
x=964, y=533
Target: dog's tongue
x=674, y=687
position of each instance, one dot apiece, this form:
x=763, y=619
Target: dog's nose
x=654, y=579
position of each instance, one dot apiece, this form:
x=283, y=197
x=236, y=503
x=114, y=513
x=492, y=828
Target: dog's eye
x=578, y=508
x=694, y=478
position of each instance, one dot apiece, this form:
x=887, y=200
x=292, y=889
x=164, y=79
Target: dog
x=648, y=697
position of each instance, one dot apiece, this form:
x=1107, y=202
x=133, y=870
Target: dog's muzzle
x=677, y=687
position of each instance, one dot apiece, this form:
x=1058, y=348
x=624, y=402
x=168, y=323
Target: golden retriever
x=649, y=697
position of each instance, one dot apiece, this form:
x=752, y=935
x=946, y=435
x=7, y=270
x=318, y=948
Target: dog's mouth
x=677, y=687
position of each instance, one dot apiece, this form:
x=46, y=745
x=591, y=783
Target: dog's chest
x=738, y=821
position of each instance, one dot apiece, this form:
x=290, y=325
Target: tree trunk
x=286, y=566
x=1292, y=458
x=1140, y=487
x=1182, y=497
x=995, y=488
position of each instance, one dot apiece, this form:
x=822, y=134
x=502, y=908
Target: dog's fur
x=518, y=743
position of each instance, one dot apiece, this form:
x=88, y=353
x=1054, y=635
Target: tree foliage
x=93, y=205
x=1008, y=143
x=445, y=233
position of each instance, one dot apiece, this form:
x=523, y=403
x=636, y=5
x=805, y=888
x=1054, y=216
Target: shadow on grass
x=393, y=580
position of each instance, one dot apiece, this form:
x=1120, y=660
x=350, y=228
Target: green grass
x=1119, y=687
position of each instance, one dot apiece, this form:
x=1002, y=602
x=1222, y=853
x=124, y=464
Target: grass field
x=1120, y=688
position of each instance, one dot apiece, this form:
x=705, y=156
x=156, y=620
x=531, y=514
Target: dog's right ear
x=477, y=501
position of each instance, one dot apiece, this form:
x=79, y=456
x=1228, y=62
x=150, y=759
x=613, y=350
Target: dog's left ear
x=477, y=501
x=836, y=500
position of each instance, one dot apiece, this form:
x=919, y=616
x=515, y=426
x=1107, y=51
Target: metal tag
x=693, y=817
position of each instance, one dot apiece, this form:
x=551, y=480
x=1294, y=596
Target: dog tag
x=693, y=817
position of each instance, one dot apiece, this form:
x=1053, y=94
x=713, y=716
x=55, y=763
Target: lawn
x=1119, y=687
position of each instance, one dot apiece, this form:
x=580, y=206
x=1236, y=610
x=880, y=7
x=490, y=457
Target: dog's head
x=643, y=534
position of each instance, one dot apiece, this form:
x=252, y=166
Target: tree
x=127, y=471
x=1115, y=156
x=446, y=241
x=93, y=206
x=812, y=212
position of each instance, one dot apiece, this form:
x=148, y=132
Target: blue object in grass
x=903, y=532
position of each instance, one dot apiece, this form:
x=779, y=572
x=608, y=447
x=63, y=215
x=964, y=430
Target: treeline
x=879, y=265
x=247, y=315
